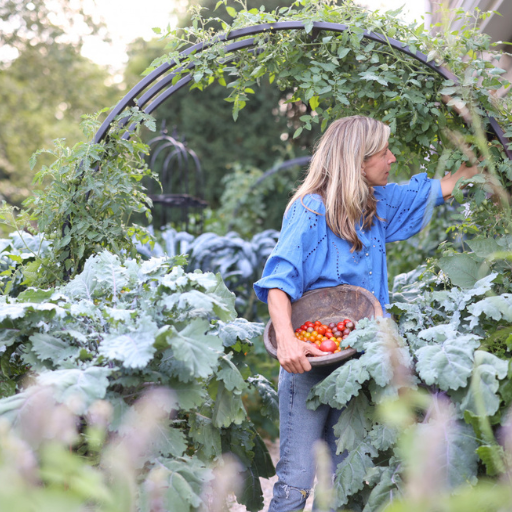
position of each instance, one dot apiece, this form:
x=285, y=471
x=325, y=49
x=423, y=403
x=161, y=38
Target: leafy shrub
x=437, y=347
x=116, y=329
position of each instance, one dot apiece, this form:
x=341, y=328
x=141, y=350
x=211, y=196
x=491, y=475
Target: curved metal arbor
x=180, y=175
x=150, y=97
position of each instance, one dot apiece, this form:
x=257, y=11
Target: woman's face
x=377, y=167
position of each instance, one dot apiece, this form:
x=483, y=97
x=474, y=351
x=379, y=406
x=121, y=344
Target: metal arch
x=173, y=150
x=129, y=99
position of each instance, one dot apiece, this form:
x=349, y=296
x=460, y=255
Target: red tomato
x=322, y=330
x=328, y=346
x=341, y=326
x=318, y=322
x=328, y=333
x=308, y=324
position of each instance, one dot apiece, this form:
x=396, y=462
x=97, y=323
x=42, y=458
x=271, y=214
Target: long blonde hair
x=335, y=173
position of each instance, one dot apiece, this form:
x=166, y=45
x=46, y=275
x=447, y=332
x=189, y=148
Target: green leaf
x=50, y=347
x=483, y=247
x=225, y=309
x=308, y=26
x=238, y=329
x=251, y=494
x=189, y=395
x=12, y=406
x=371, y=76
x=314, y=102
x=182, y=486
x=456, y=456
x=448, y=364
x=383, y=348
x=196, y=304
x=383, y=437
x=34, y=295
x=262, y=461
x=481, y=397
x=268, y=395
x=462, y=269
x=231, y=11
x=228, y=407
x=386, y=491
x=351, y=472
x=228, y=373
x=497, y=307
x=133, y=348
x=9, y=336
x=340, y=386
x=493, y=457
x=78, y=388
x=353, y=425
x=206, y=435
x=197, y=352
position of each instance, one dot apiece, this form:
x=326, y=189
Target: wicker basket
x=328, y=305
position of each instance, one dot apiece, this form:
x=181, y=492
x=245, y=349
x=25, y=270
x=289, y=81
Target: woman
x=334, y=232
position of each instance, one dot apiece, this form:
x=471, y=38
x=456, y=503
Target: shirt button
x=366, y=254
x=373, y=292
x=370, y=273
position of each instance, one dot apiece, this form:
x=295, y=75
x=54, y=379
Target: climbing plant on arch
x=338, y=60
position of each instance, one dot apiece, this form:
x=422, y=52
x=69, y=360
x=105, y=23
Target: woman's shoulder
x=312, y=203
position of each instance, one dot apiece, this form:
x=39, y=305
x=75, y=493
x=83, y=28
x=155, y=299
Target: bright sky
x=129, y=19
x=126, y=21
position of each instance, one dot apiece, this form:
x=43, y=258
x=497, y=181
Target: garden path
x=267, y=484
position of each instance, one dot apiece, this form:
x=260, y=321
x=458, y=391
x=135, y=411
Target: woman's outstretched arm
x=448, y=181
x=291, y=353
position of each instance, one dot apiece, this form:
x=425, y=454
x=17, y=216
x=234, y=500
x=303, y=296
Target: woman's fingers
x=294, y=358
x=312, y=349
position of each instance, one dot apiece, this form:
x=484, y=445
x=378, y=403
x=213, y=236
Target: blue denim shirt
x=309, y=255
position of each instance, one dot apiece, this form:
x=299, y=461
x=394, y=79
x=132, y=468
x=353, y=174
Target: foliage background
x=83, y=318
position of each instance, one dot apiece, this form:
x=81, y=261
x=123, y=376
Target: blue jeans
x=299, y=428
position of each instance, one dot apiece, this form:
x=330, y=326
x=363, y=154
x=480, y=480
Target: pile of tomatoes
x=326, y=337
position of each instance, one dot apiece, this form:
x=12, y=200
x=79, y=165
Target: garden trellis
x=151, y=92
x=180, y=174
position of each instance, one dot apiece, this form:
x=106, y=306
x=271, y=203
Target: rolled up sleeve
x=408, y=208
x=300, y=249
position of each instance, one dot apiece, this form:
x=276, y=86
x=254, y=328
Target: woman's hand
x=448, y=182
x=291, y=352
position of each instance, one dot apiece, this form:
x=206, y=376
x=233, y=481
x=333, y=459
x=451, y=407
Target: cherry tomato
x=328, y=346
x=322, y=329
x=328, y=334
x=340, y=326
x=308, y=324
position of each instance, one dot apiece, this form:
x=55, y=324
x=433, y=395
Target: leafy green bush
x=439, y=348
x=116, y=329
